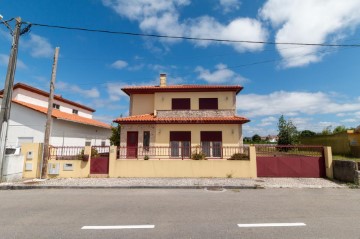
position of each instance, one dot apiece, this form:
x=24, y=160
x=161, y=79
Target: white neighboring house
x=72, y=122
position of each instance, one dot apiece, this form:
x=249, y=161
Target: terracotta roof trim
x=151, y=119
x=180, y=88
x=44, y=93
x=57, y=114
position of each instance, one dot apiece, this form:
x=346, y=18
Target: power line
x=191, y=38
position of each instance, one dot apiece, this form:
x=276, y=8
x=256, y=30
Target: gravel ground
x=183, y=182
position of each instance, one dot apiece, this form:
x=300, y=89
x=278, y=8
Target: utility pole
x=8, y=89
x=49, y=113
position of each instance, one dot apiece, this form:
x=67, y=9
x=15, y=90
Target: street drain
x=215, y=189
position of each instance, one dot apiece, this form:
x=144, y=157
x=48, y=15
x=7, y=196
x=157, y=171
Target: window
x=146, y=139
x=56, y=106
x=208, y=103
x=88, y=142
x=211, y=143
x=103, y=143
x=180, y=104
x=180, y=143
x=75, y=111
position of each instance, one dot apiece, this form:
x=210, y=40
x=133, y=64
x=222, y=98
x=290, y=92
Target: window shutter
x=180, y=136
x=208, y=103
x=180, y=104
x=211, y=136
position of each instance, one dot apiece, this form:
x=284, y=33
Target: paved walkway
x=174, y=183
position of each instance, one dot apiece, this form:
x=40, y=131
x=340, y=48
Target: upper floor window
x=56, y=106
x=180, y=104
x=75, y=111
x=208, y=103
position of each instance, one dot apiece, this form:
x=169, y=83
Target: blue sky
x=313, y=86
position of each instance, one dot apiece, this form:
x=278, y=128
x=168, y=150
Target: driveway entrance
x=290, y=161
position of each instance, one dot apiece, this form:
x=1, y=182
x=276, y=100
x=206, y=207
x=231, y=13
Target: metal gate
x=99, y=163
x=290, y=161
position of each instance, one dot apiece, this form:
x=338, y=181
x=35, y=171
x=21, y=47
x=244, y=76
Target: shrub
x=198, y=156
x=146, y=157
x=82, y=156
x=239, y=156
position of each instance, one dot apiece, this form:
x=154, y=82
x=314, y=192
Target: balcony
x=194, y=113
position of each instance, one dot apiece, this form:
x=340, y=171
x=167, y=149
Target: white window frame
x=210, y=150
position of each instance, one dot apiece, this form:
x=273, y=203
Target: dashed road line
x=296, y=224
x=118, y=227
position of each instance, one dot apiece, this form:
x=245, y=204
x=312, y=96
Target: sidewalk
x=176, y=183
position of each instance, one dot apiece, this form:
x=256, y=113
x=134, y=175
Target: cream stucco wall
x=141, y=104
x=226, y=100
x=231, y=133
x=184, y=168
x=140, y=128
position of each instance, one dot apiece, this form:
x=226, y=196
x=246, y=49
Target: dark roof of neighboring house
x=64, y=116
x=180, y=88
x=46, y=94
x=151, y=119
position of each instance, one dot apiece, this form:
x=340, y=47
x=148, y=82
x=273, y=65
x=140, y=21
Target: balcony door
x=132, y=144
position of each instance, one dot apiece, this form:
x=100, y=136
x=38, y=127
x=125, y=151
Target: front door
x=132, y=144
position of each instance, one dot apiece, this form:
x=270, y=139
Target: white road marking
x=118, y=227
x=297, y=224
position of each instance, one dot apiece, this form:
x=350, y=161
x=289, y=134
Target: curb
x=25, y=187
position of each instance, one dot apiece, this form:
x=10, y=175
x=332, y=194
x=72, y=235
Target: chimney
x=162, y=80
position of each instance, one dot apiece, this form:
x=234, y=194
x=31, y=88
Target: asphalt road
x=326, y=213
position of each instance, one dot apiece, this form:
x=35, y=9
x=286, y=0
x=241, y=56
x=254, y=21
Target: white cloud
x=240, y=29
x=220, y=75
x=159, y=16
x=229, y=5
x=4, y=61
x=114, y=91
x=268, y=121
x=310, y=21
x=162, y=17
x=350, y=120
x=292, y=103
x=88, y=93
x=119, y=64
x=38, y=46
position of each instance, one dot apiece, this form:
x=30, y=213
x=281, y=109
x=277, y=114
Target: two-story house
x=73, y=123
x=175, y=120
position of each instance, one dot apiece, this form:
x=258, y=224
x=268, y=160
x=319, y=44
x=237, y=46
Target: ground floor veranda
x=179, y=140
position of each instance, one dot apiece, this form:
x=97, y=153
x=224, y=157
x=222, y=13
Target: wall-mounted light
x=159, y=131
x=162, y=98
x=226, y=98
x=232, y=131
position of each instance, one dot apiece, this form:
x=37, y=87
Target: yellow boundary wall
x=183, y=168
x=80, y=169
x=156, y=168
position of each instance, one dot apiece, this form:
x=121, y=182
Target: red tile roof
x=151, y=119
x=180, y=88
x=46, y=94
x=64, y=116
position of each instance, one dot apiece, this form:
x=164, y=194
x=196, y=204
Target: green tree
x=339, y=129
x=256, y=138
x=327, y=130
x=288, y=134
x=307, y=133
x=115, y=136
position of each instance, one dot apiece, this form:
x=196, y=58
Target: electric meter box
x=53, y=168
x=29, y=155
